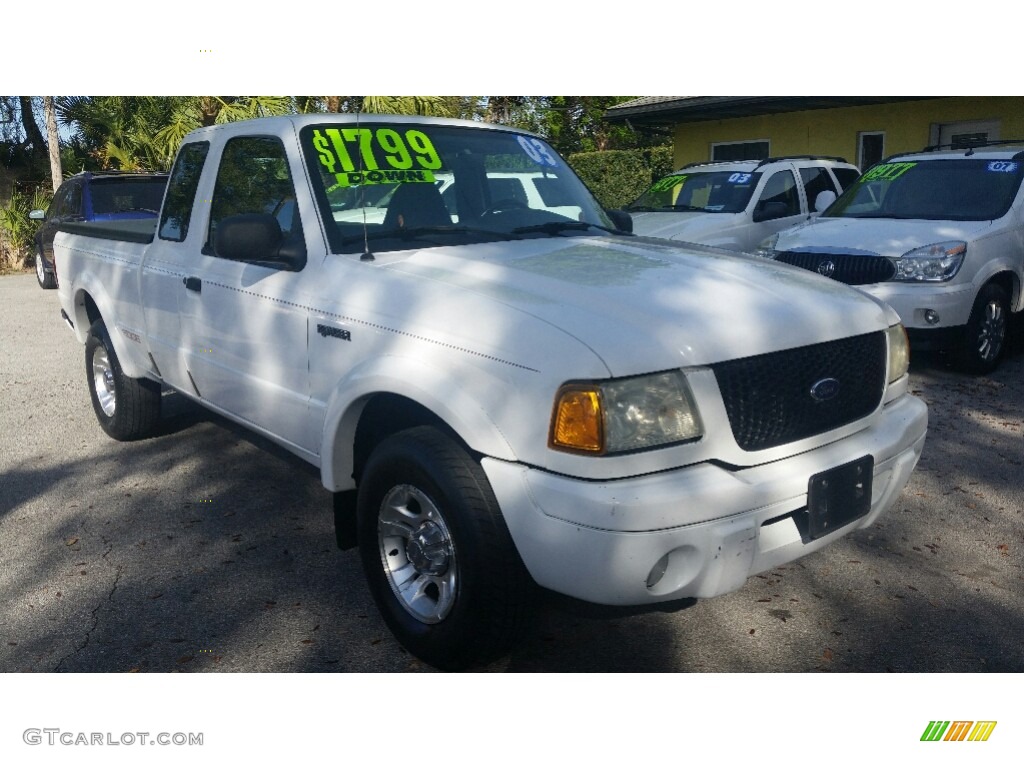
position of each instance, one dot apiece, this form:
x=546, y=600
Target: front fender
x=999, y=266
x=461, y=402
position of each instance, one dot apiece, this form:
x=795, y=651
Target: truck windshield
x=714, y=192
x=413, y=185
x=959, y=190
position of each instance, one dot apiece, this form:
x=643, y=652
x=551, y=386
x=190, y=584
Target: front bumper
x=709, y=527
x=953, y=303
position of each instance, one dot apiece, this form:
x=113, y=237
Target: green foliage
x=407, y=105
x=576, y=124
x=143, y=132
x=618, y=177
x=17, y=230
x=115, y=132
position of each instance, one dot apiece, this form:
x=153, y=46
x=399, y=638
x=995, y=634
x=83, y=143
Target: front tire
x=985, y=332
x=46, y=279
x=437, y=554
x=126, y=408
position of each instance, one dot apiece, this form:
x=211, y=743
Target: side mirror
x=824, y=200
x=621, y=219
x=767, y=210
x=37, y=215
x=257, y=238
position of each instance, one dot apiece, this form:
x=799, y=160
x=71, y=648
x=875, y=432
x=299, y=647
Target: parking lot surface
x=207, y=548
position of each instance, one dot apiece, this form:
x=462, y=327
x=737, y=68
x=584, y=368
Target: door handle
x=193, y=284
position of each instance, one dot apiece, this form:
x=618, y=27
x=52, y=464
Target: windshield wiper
x=412, y=233
x=656, y=208
x=883, y=215
x=557, y=227
x=131, y=210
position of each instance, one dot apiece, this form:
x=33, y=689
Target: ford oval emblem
x=827, y=268
x=825, y=389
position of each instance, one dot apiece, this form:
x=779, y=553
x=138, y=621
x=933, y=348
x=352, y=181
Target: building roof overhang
x=654, y=111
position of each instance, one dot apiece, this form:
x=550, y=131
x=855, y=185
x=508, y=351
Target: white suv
x=735, y=205
x=939, y=235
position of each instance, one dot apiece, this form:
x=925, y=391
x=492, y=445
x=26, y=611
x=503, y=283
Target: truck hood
x=643, y=305
x=689, y=226
x=884, y=237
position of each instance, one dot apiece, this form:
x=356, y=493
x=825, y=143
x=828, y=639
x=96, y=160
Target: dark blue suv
x=101, y=196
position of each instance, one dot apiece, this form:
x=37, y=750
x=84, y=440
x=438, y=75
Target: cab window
x=253, y=177
x=181, y=191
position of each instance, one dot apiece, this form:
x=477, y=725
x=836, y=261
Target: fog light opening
x=657, y=572
x=931, y=317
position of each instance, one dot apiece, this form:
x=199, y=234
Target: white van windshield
x=957, y=190
x=714, y=192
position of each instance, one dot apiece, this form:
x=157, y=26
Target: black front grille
x=769, y=397
x=849, y=268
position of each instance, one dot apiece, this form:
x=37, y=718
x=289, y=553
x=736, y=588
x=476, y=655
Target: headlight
x=766, y=249
x=899, y=352
x=934, y=263
x=624, y=415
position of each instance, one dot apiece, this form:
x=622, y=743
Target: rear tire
x=126, y=408
x=985, y=332
x=46, y=279
x=437, y=554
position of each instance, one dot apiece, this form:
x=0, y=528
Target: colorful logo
x=958, y=730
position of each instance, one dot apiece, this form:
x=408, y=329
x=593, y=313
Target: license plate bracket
x=838, y=496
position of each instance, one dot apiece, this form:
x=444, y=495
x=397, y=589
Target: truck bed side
x=99, y=265
x=125, y=230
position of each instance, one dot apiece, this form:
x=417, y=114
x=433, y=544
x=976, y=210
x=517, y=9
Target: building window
x=740, y=150
x=966, y=134
x=870, y=148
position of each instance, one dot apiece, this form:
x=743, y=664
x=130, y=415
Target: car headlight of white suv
x=935, y=263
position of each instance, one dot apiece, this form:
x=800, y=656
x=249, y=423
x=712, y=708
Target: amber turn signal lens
x=578, y=423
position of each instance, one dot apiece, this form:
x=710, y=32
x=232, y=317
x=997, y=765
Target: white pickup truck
x=516, y=398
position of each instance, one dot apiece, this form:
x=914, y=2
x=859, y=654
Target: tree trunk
x=33, y=135
x=209, y=108
x=56, y=172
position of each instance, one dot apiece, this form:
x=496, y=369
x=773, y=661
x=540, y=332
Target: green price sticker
x=342, y=149
x=667, y=183
x=887, y=171
x=358, y=178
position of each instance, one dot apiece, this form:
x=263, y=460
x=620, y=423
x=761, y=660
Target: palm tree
x=56, y=171
x=119, y=131
x=144, y=132
x=437, y=106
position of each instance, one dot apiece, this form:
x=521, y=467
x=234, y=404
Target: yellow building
x=862, y=129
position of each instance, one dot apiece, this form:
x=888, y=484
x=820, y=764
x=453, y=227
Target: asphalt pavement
x=207, y=548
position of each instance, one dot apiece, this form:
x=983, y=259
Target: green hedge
x=618, y=176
